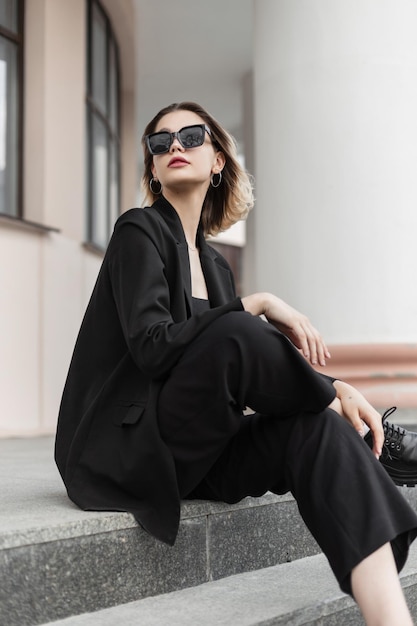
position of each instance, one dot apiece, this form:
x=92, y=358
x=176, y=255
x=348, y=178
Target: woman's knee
x=248, y=333
x=240, y=323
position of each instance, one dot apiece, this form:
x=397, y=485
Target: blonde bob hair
x=233, y=198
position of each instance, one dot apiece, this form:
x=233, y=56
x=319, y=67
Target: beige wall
x=46, y=277
x=54, y=159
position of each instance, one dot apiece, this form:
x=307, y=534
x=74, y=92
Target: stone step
x=57, y=561
x=303, y=592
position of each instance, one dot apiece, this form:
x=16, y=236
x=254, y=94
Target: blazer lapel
x=171, y=218
x=219, y=279
x=185, y=272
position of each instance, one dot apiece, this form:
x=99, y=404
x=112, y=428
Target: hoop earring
x=219, y=174
x=151, y=183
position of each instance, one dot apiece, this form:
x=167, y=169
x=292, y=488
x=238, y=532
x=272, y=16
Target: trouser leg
x=346, y=498
x=238, y=361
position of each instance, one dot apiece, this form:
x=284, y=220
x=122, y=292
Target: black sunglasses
x=189, y=137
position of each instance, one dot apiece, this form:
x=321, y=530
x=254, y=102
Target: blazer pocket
x=127, y=413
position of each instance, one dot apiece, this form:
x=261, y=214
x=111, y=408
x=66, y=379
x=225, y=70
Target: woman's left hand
x=356, y=409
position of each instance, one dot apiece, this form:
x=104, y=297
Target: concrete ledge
x=56, y=560
x=51, y=579
x=49, y=515
x=293, y=594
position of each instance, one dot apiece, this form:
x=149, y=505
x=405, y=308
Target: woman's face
x=185, y=166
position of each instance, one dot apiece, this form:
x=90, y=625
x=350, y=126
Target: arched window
x=11, y=44
x=103, y=127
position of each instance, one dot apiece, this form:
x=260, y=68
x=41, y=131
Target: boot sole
x=400, y=478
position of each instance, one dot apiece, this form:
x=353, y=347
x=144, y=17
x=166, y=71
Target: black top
x=199, y=305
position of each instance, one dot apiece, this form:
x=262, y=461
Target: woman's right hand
x=296, y=326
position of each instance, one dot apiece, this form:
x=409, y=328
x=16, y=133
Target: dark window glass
x=114, y=185
x=9, y=12
x=99, y=46
x=10, y=113
x=113, y=86
x=103, y=127
x=100, y=182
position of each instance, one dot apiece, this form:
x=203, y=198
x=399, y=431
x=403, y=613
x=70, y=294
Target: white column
x=336, y=162
x=335, y=87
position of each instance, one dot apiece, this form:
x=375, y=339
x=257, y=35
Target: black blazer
x=137, y=325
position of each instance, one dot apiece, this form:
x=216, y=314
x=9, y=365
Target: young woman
x=168, y=357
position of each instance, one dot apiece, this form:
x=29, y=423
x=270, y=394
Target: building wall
x=330, y=134
x=46, y=276
x=336, y=147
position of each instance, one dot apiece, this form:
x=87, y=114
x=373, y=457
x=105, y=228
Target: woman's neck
x=189, y=207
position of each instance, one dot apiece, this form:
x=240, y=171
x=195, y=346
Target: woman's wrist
x=341, y=387
x=256, y=303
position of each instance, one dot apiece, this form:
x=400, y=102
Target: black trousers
x=293, y=442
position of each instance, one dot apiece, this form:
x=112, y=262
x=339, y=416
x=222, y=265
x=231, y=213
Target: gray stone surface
x=73, y=576
x=303, y=592
x=56, y=560
x=260, y=538
x=34, y=506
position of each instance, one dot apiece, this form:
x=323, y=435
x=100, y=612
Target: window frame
x=18, y=39
x=94, y=113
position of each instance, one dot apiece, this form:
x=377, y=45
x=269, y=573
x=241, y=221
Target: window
x=10, y=106
x=103, y=134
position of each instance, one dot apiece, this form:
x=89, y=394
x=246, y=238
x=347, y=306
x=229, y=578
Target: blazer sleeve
x=143, y=288
x=330, y=378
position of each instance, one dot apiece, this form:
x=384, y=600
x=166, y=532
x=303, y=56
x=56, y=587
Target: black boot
x=399, y=453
